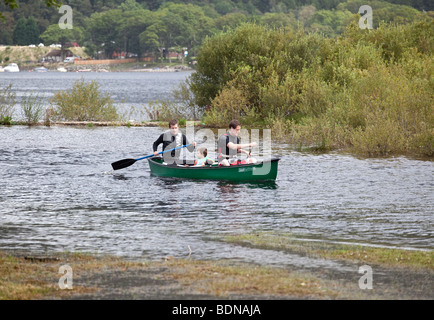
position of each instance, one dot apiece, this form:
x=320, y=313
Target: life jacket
x=203, y=161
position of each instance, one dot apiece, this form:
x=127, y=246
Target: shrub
x=181, y=105
x=382, y=136
x=166, y=110
x=370, y=90
x=423, y=143
x=185, y=97
x=84, y=102
x=230, y=103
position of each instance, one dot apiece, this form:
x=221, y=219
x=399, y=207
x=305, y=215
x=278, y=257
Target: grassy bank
x=386, y=257
x=28, y=58
x=105, y=277
x=27, y=277
x=24, y=277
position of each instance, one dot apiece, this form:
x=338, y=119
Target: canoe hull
x=264, y=171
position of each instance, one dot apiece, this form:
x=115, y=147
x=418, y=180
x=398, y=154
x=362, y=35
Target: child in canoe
x=202, y=158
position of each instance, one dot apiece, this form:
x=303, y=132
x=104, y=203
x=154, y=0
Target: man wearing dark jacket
x=229, y=145
x=170, y=139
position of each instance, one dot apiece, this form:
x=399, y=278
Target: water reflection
x=120, y=177
x=251, y=185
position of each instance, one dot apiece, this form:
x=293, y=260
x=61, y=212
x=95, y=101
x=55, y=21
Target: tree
x=186, y=25
x=305, y=13
x=20, y=35
x=224, y=6
x=330, y=22
x=151, y=38
x=32, y=31
x=176, y=25
x=103, y=28
x=130, y=5
x=54, y=34
x=26, y=32
x=12, y=4
x=229, y=21
x=384, y=11
x=279, y=20
x=7, y=29
x=133, y=23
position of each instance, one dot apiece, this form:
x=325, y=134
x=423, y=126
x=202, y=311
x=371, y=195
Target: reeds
x=32, y=109
x=7, y=105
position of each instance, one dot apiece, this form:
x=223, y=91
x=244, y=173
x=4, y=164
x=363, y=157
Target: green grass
x=388, y=257
x=24, y=279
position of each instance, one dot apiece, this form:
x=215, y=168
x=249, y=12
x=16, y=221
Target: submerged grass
x=107, y=277
x=7, y=104
x=388, y=257
x=222, y=279
x=32, y=109
x=24, y=278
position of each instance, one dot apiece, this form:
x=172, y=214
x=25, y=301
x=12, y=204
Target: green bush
x=84, y=102
x=368, y=90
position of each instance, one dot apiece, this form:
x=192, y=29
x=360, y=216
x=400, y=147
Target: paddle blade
x=123, y=163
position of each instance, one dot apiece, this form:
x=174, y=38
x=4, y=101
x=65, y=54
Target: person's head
x=173, y=127
x=201, y=152
x=234, y=127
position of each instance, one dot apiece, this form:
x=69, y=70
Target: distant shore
x=29, y=58
x=130, y=67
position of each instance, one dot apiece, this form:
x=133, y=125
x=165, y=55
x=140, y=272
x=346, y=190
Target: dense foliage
x=371, y=90
x=140, y=27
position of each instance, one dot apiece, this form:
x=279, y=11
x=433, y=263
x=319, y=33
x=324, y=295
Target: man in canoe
x=170, y=139
x=229, y=145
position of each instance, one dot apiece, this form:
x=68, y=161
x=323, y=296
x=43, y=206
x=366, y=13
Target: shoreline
x=130, y=123
x=199, y=124
x=29, y=276
x=157, y=67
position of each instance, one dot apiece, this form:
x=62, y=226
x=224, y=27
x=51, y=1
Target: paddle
x=128, y=162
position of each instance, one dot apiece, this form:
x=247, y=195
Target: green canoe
x=261, y=171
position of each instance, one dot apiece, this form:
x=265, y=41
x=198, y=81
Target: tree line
x=154, y=27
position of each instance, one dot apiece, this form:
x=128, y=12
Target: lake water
x=127, y=89
x=58, y=192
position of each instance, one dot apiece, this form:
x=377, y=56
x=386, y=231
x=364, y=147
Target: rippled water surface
x=58, y=192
